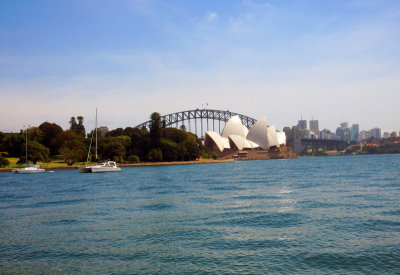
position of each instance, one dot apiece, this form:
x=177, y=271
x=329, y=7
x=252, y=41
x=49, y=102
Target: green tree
x=78, y=128
x=34, y=133
x=14, y=145
x=3, y=161
x=169, y=150
x=2, y=137
x=73, y=151
x=113, y=149
x=115, y=133
x=192, y=150
x=63, y=137
x=36, y=152
x=155, y=155
x=155, y=130
x=50, y=131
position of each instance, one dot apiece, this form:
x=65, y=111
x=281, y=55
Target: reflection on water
x=314, y=215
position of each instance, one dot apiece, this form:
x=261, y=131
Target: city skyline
x=331, y=61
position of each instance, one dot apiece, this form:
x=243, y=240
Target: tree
x=63, y=137
x=50, y=131
x=3, y=161
x=73, y=124
x=36, y=152
x=169, y=150
x=34, y=133
x=72, y=151
x=113, y=149
x=115, y=133
x=192, y=150
x=81, y=128
x=13, y=144
x=155, y=155
x=78, y=128
x=2, y=137
x=155, y=130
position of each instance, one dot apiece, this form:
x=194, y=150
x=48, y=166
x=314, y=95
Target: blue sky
x=332, y=60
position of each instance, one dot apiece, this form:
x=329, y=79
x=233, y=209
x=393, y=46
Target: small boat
x=100, y=167
x=31, y=169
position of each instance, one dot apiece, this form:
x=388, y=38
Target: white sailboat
x=102, y=166
x=31, y=168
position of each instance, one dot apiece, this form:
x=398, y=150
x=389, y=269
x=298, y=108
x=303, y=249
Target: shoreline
x=74, y=167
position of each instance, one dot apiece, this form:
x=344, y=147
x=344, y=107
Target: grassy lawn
x=53, y=163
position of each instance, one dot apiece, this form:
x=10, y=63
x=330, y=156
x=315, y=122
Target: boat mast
x=96, y=133
x=26, y=145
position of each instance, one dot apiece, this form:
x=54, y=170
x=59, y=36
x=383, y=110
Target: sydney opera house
x=238, y=142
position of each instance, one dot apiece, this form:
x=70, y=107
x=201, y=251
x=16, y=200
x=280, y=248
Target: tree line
x=49, y=141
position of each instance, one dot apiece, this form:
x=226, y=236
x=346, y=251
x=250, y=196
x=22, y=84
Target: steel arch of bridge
x=200, y=114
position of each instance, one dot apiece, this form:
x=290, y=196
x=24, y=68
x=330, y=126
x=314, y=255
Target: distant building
x=103, y=130
x=288, y=133
x=314, y=127
x=376, y=133
x=305, y=133
x=386, y=135
x=296, y=135
x=302, y=124
x=354, y=132
x=325, y=134
x=343, y=132
x=393, y=134
x=363, y=135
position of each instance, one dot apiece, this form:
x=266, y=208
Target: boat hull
x=29, y=171
x=84, y=170
x=104, y=169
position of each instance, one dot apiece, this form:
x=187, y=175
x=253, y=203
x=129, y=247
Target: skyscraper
x=376, y=133
x=314, y=127
x=354, y=131
x=302, y=124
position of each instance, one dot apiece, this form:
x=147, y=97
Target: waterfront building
x=354, y=132
x=259, y=142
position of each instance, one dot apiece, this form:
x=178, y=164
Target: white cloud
x=212, y=16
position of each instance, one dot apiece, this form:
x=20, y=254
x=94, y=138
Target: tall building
x=343, y=132
x=302, y=124
x=376, y=133
x=354, y=132
x=314, y=127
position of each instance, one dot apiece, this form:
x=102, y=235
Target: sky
x=334, y=61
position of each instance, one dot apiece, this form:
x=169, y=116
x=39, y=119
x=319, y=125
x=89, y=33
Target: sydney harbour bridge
x=201, y=120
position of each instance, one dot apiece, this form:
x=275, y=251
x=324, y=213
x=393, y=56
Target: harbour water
x=299, y=216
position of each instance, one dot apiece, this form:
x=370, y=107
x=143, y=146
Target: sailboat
x=102, y=166
x=31, y=168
